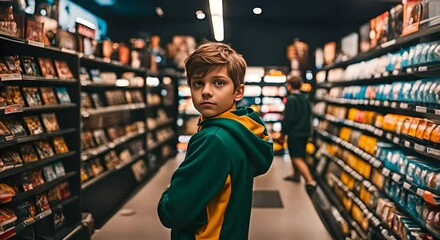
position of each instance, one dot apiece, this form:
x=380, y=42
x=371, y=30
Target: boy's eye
x=219, y=82
x=197, y=83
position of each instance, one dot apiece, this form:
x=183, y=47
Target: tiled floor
x=296, y=220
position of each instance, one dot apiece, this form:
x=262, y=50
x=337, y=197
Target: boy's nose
x=207, y=91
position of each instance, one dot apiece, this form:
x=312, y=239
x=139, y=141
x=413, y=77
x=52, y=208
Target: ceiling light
x=159, y=11
x=216, y=9
x=200, y=14
x=105, y=2
x=258, y=10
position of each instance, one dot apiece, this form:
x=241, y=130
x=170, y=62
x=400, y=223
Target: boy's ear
x=239, y=94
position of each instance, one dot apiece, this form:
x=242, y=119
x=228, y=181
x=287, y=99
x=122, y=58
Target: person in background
x=210, y=194
x=296, y=128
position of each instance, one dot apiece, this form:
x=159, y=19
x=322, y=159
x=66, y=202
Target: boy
x=210, y=194
x=296, y=129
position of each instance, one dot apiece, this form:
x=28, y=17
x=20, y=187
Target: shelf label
x=33, y=43
x=419, y=147
x=386, y=172
x=420, y=192
x=409, y=70
x=433, y=151
x=437, y=111
x=377, y=163
x=423, y=68
x=389, y=136
x=395, y=72
x=377, y=103
x=377, y=75
x=386, y=104
x=404, y=105
x=396, y=177
x=421, y=109
x=371, y=102
x=365, y=102
x=11, y=76
x=388, y=44
x=407, y=143
x=393, y=105
x=68, y=50
x=16, y=108
x=386, y=74
x=396, y=140
x=406, y=185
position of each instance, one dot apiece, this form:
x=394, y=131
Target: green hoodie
x=210, y=194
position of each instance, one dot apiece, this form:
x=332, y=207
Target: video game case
x=111, y=160
x=28, y=153
x=42, y=202
x=4, y=131
x=36, y=177
x=87, y=140
x=34, y=30
x=30, y=66
x=44, y=149
x=96, y=166
x=32, y=96
x=49, y=173
x=100, y=137
x=63, y=95
x=64, y=190
x=63, y=69
x=59, y=169
x=48, y=95
x=86, y=102
x=58, y=219
x=50, y=122
x=97, y=102
x=47, y=68
x=34, y=125
x=11, y=157
x=6, y=162
x=12, y=95
x=15, y=127
x=60, y=145
x=54, y=195
x=4, y=68
x=84, y=75
x=13, y=63
x=26, y=182
x=25, y=211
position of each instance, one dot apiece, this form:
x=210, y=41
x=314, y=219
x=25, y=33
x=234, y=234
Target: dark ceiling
x=315, y=21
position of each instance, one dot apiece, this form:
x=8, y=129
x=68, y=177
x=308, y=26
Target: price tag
x=396, y=177
x=396, y=140
x=437, y=111
x=371, y=102
x=433, y=151
x=377, y=75
x=386, y=74
x=389, y=136
x=393, y=105
x=388, y=44
x=407, y=144
x=406, y=185
x=421, y=109
x=386, y=172
x=16, y=108
x=408, y=70
x=386, y=104
x=395, y=72
x=419, y=147
x=84, y=157
x=365, y=102
x=404, y=105
x=420, y=192
x=377, y=163
x=423, y=68
x=33, y=43
x=12, y=76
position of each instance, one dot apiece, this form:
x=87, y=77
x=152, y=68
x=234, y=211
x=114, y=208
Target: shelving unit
x=45, y=206
x=358, y=161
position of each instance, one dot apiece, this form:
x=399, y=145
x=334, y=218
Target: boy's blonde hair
x=212, y=55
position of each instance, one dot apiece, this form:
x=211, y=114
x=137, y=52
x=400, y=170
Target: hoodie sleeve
x=289, y=115
x=198, y=179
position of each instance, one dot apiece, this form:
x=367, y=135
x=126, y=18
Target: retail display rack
x=39, y=142
x=377, y=128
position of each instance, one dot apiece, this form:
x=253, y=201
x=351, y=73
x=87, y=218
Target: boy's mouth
x=206, y=103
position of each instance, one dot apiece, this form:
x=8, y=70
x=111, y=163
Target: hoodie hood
x=245, y=125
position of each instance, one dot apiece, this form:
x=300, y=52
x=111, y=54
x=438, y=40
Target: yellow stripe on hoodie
x=216, y=210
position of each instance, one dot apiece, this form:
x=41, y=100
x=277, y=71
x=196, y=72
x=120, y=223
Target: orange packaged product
x=435, y=135
x=405, y=126
x=413, y=127
x=378, y=122
x=369, y=116
x=399, y=124
x=352, y=113
x=428, y=131
x=345, y=133
x=421, y=129
x=390, y=122
x=360, y=116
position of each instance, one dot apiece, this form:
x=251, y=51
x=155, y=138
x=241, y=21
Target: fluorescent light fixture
x=153, y=81
x=122, y=82
x=105, y=2
x=200, y=14
x=258, y=10
x=274, y=79
x=216, y=9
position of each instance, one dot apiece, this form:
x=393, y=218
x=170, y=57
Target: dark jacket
x=297, y=116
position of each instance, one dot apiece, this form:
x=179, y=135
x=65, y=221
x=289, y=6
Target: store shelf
x=21, y=226
x=94, y=86
x=35, y=80
x=87, y=60
x=390, y=46
x=10, y=140
x=163, y=124
x=107, y=173
x=409, y=109
x=31, y=165
x=112, y=109
x=405, y=142
x=95, y=152
x=21, y=196
x=17, y=109
x=157, y=145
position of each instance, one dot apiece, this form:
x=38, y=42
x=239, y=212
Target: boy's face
x=214, y=93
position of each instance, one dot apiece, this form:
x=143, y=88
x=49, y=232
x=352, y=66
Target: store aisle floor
x=296, y=220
